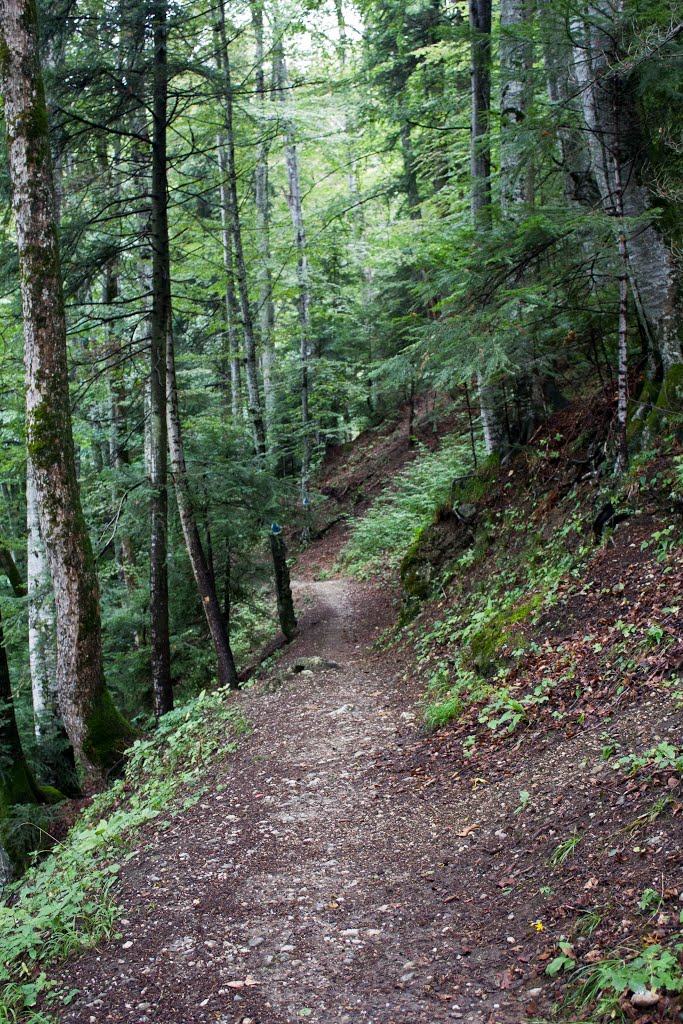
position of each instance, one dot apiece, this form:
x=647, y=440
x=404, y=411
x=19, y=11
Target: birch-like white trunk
x=515, y=59
x=615, y=138
x=42, y=630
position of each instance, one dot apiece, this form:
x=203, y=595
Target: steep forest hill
x=455, y=796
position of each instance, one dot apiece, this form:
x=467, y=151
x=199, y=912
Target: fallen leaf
x=466, y=831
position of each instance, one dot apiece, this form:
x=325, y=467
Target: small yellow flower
x=538, y=925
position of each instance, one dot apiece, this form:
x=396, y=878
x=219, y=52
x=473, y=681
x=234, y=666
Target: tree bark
x=283, y=591
x=157, y=430
x=615, y=138
x=99, y=734
x=118, y=452
x=232, y=312
x=265, y=277
x=17, y=785
x=227, y=673
x=480, y=189
x=251, y=370
x=42, y=637
x=516, y=61
x=480, y=140
x=294, y=202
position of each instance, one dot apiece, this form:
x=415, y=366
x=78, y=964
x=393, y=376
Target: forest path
x=300, y=888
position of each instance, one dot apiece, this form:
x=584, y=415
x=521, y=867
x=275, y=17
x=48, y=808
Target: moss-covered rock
x=487, y=642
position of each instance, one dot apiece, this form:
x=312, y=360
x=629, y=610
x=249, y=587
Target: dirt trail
x=332, y=898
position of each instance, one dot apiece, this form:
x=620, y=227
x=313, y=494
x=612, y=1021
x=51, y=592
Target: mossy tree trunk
x=98, y=732
x=57, y=762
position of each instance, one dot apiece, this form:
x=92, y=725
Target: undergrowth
x=66, y=902
x=382, y=536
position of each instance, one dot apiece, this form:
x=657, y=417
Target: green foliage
x=383, y=535
x=66, y=902
x=565, y=850
x=598, y=987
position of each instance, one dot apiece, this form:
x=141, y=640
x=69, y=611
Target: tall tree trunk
x=516, y=60
x=157, y=432
x=265, y=277
x=204, y=578
x=357, y=220
x=563, y=93
x=607, y=94
x=162, y=319
x=480, y=138
x=251, y=369
x=118, y=452
x=285, y=600
x=480, y=190
x=232, y=312
x=98, y=733
x=284, y=93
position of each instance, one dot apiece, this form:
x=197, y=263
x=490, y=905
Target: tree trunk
x=118, y=452
x=615, y=138
x=480, y=139
x=98, y=732
x=157, y=433
x=251, y=371
x=17, y=785
x=286, y=609
x=563, y=92
x=480, y=194
x=265, y=277
x=232, y=313
x=304, y=293
x=42, y=636
x=227, y=673
x=283, y=591
x=516, y=61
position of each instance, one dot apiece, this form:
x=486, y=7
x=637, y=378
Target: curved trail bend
x=301, y=888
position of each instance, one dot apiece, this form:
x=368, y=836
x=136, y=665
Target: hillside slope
x=473, y=815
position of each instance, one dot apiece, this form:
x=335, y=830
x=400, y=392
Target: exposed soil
x=344, y=868
x=311, y=883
